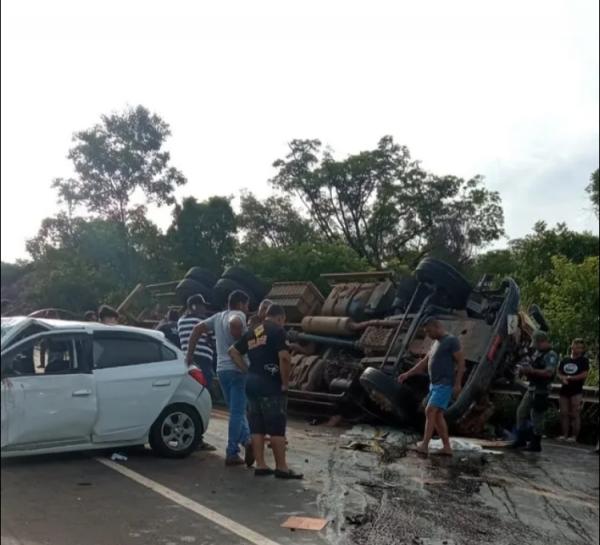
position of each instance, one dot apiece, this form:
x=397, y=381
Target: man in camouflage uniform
x=539, y=372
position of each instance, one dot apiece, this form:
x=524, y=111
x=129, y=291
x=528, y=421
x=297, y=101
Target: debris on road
x=305, y=523
x=463, y=446
x=118, y=457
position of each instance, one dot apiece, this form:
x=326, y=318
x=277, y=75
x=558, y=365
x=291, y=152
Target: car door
x=48, y=392
x=136, y=376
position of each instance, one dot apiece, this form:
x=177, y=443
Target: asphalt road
x=507, y=499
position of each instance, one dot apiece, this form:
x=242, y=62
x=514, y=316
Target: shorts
x=267, y=415
x=440, y=396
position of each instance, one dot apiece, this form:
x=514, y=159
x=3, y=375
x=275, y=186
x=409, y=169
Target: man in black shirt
x=572, y=372
x=266, y=388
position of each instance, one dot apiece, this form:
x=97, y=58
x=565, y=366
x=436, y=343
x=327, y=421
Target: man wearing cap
x=539, y=372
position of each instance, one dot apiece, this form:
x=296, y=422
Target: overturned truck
x=350, y=347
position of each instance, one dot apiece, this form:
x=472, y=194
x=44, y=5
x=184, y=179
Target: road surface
x=377, y=498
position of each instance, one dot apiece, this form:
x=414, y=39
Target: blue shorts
x=440, y=396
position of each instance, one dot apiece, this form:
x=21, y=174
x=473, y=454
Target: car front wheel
x=177, y=432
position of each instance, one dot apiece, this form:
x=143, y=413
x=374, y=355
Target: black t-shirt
x=571, y=367
x=263, y=344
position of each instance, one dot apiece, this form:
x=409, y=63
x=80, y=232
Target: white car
x=70, y=386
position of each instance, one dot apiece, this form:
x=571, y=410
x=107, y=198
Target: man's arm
x=419, y=368
x=237, y=326
x=238, y=359
x=459, y=358
x=285, y=368
x=199, y=330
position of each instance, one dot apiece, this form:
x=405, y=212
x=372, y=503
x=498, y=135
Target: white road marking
x=226, y=523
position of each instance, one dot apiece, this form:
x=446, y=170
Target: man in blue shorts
x=445, y=354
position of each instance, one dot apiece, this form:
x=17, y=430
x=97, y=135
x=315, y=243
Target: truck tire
x=248, y=280
x=177, y=431
x=188, y=287
x=225, y=286
x=455, y=287
x=388, y=395
x=202, y=275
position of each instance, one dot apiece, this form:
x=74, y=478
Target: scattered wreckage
x=349, y=347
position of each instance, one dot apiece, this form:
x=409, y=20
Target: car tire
x=177, y=432
x=202, y=275
x=388, y=395
x=225, y=286
x=188, y=287
x=246, y=279
x=455, y=287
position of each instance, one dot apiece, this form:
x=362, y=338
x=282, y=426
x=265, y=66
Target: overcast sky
x=505, y=89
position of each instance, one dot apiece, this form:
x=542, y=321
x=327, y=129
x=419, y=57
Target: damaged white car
x=70, y=386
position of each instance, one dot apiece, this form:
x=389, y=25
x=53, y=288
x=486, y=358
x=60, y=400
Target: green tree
x=384, y=205
x=273, y=222
x=121, y=155
x=533, y=254
x=594, y=190
x=569, y=295
x=203, y=233
x=304, y=262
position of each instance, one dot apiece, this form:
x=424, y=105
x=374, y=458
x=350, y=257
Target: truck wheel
x=202, y=275
x=177, y=432
x=246, y=279
x=188, y=287
x=454, y=285
x=225, y=286
x=388, y=395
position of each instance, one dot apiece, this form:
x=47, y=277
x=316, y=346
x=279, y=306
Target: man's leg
x=430, y=422
x=575, y=411
x=523, y=414
x=256, y=422
x=239, y=431
x=226, y=379
x=539, y=406
x=564, y=405
x=442, y=429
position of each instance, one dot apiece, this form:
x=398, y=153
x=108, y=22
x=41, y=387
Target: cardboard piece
x=304, y=523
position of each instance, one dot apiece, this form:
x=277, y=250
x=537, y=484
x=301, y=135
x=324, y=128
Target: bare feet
x=422, y=448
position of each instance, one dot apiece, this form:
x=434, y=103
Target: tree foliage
x=203, y=233
x=594, y=190
x=274, y=222
x=384, y=205
x=121, y=155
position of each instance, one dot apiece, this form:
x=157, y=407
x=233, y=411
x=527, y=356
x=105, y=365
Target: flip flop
x=263, y=472
x=288, y=474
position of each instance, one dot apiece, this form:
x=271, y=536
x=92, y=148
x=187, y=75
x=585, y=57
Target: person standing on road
x=445, y=354
x=572, y=373
x=228, y=327
x=534, y=404
x=168, y=327
x=90, y=316
x=202, y=354
x=267, y=386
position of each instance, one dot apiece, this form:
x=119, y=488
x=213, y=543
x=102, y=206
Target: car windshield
x=8, y=324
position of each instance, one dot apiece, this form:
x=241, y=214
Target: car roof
x=86, y=326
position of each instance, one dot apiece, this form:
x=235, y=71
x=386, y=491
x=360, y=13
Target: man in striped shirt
x=203, y=352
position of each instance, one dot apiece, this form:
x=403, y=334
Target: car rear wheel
x=177, y=432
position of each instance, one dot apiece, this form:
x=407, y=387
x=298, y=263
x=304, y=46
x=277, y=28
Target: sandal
x=289, y=474
x=263, y=472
